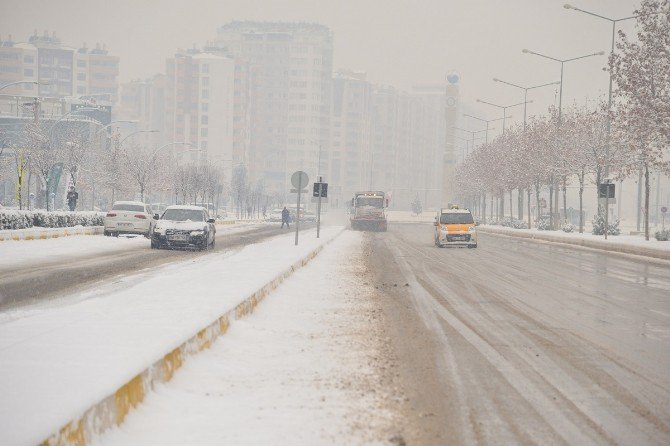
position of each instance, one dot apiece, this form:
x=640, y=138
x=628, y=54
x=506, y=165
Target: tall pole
x=318, y=210
x=297, y=211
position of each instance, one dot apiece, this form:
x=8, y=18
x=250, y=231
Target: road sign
x=323, y=187
x=299, y=179
x=606, y=190
x=664, y=210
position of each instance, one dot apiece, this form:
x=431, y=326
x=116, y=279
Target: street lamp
x=609, y=98
x=472, y=134
x=21, y=82
x=562, y=62
x=73, y=112
x=118, y=121
x=135, y=133
x=525, y=94
x=504, y=109
x=485, y=121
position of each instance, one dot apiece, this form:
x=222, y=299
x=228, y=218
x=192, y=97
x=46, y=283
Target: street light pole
x=525, y=94
x=504, y=109
x=485, y=121
x=560, y=105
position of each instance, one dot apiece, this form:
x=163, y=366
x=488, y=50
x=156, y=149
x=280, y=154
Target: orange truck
x=367, y=211
x=455, y=227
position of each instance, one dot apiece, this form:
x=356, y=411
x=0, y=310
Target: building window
x=28, y=59
x=203, y=132
x=205, y=68
x=28, y=72
x=205, y=82
x=81, y=76
x=204, y=119
x=81, y=64
x=205, y=94
x=81, y=90
x=204, y=107
x=203, y=144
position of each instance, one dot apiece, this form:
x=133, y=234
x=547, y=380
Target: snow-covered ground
x=297, y=371
x=56, y=361
x=625, y=240
x=25, y=252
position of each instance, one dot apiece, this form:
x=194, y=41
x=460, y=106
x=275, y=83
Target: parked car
x=129, y=217
x=274, y=216
x=184, y=227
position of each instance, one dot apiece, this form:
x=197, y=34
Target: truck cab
x=367, y=211
x=455, y=227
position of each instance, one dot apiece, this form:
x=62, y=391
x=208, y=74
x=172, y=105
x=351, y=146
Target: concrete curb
x=45, y=233
x=621, y=248
x=113, y=410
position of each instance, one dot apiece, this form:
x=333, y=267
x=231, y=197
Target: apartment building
x=199, y=95
x=62, y=71
x=282, y=92
x=143, y=101
x=350, y=154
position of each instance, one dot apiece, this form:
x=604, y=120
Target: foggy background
x=398, y=43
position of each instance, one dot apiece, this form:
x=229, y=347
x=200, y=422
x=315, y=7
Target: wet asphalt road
x=23, y=286
x=518, y=342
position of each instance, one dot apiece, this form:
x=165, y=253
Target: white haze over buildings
x=398, y=43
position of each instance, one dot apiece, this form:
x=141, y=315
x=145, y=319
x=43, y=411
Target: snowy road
x=36, y=270
x=522, y=342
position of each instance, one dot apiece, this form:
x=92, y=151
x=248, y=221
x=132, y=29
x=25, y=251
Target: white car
x=129, y=217
x=184, y=227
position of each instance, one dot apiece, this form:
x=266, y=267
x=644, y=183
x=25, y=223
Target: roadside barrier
x=113, y=410
x=610, y=246
x=45, y=233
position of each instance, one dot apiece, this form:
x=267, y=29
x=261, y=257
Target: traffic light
x=324, y=190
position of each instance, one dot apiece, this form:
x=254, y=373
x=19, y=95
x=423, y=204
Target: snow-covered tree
x=641, y=70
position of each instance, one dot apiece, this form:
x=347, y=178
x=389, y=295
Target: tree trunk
x=483, y=214
x=646, y=201
x=537, y=200
x=511, y=207
x=581, y=201
x=529, y=211
x=551, y=204
x=520, y=204
x=565, y=199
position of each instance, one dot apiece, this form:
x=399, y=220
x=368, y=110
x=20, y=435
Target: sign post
x=299, y=179
x=664, y=209
x=320, y=191
x=606, y=191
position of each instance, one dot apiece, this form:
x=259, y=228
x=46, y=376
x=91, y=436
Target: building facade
x=282, y=91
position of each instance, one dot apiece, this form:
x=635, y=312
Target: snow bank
x=297, y=371
x=35, y=233
x=627, y=244
x=56, y=363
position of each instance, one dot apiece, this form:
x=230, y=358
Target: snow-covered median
x=55, y=363
x=628, y=244
x=298, y=371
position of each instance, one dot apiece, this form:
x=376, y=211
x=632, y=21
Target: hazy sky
x=396, y=42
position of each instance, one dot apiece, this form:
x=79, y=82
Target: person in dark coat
x=72, y=197
x=284, y=217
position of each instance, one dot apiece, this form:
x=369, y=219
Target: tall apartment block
x=143, y=101
x=350, y=154
x=61, y=70
x=282, y=91
x=199, y=97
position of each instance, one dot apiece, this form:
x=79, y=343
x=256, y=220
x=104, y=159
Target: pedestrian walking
x=72, y=197
x=285, y=217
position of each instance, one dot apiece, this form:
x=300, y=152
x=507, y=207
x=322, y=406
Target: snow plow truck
x=367, y=211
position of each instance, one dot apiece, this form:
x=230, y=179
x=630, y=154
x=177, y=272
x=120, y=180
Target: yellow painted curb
x=113, y=410
x=37, y=234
